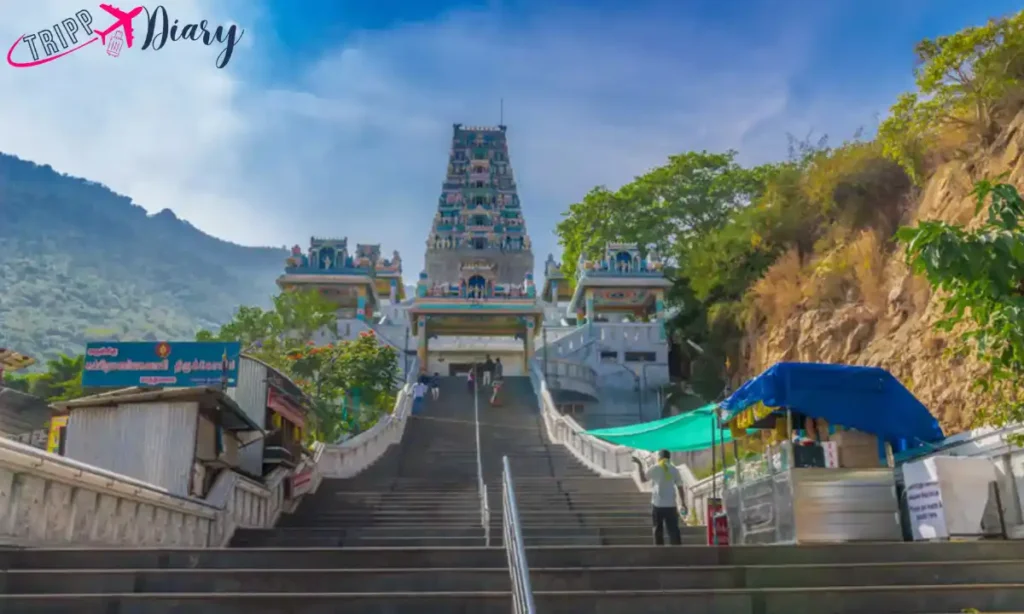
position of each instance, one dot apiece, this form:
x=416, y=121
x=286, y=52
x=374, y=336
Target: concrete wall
x=150, y=442
x=512, y=363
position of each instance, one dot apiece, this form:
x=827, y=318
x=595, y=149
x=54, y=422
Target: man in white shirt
x=666, y=483
x=419, y=389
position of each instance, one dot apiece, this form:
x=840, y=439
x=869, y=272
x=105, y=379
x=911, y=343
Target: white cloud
x=155, y=125
x=358, y=145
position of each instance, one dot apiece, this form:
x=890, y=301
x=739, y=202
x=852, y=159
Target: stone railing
x=552, y=335
x=245, y=504
x=567, y=375
x=568, y=342
x=606, y=459
x=49, y=500
x=631, y=334
x=346, y=459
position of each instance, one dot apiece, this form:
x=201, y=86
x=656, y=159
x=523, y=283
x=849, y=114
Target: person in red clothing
x=495, y=389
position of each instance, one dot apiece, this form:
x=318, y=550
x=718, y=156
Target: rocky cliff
x=886, y=320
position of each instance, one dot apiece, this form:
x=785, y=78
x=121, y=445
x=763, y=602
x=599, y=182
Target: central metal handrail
x=519, y=570
x=485, y=506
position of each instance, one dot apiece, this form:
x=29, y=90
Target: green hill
x=78, y=262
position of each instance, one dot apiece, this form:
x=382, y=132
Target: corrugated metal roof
x=22, y=413
x=234, y=419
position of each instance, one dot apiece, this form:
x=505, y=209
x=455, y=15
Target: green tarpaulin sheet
x=683, y=433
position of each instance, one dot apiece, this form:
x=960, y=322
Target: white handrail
x=485, y=507
x=518, y=568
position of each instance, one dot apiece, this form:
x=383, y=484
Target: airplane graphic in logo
x=123, y=20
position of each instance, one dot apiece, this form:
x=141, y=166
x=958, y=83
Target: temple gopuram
x=621, y=282
x=354, y=281
x=478, y=278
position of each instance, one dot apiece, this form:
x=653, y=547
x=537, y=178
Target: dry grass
x=777, y=294
x=831, y=281
x=867, y=256
x=850, y=271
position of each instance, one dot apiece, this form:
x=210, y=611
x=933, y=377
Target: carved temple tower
x=478, y=217
x=478, y=278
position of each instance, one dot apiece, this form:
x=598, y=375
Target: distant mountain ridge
x=78, y=261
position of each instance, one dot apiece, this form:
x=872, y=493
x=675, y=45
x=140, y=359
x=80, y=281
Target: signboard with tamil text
x=186, y=364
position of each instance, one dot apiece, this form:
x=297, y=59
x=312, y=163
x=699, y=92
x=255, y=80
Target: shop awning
x=868, y=399
x=683, y=433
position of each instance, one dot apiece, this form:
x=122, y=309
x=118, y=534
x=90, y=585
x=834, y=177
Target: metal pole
x=544, y=338
x=481, y=487
x=512, y=508
x=714, y=468
x=639, y=398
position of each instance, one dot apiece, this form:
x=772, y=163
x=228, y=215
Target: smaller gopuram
x=354, y=282
x=620, y=284
x=557, y=287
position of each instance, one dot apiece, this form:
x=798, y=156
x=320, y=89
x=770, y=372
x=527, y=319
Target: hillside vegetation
x=78, y=261
x=798, y=260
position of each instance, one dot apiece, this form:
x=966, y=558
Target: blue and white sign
x=189, y=364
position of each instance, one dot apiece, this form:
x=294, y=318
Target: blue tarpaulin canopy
x=683, y=433
x=868, y=399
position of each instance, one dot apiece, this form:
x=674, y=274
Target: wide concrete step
x=591, y=538
x=495, y=519
x=419, y=515
x=497, y=579
x=475, y=555
x=260, y=603
x=468, y=496
x=893, y=599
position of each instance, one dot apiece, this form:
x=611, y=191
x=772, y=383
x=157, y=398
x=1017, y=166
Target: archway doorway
x=476, y=286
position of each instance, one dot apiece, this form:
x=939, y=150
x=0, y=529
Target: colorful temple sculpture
x=478, y=278
x=355, y=282
x=622, y=284
x=557, y=287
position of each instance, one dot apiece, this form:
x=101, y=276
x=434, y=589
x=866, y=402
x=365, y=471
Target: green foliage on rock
x=723, y=225
x=962, y=79
x=980, y=272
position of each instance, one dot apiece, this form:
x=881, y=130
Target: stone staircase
x=411, y=541
x=423, y=493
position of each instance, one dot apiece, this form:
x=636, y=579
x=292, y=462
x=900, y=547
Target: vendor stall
x=824, y=472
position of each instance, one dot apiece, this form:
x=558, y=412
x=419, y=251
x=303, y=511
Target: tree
x=62, y=380
x=331, y=375
x=361, y=374
x=961, y=78
x=666, y=208
x=981, y=275
x=294, y=320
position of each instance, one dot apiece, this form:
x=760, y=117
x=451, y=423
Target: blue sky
x=334, y=116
